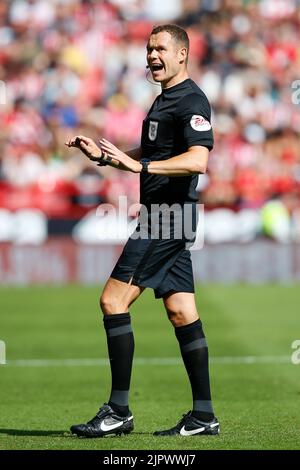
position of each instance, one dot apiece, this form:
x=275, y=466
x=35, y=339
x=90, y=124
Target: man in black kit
x=176, y=140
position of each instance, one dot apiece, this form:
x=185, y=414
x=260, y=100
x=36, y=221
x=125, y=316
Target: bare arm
x=194, y=161
x=95, y=154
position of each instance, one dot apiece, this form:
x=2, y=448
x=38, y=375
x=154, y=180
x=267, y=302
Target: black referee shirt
x=178, y=119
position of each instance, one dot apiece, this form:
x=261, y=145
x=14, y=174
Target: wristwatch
x=145, y=163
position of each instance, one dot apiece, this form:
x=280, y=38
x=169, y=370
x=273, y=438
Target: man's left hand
x=127, y=162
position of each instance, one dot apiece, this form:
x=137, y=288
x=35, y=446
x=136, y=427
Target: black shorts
x=162, y=264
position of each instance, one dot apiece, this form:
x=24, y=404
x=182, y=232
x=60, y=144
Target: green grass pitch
x=257, y=400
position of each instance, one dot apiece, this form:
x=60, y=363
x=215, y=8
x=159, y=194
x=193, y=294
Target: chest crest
x=152, y=133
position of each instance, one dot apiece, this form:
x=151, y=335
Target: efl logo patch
x=199, y=123
x=153, y=126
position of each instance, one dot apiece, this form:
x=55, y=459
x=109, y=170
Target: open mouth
x=156, y=67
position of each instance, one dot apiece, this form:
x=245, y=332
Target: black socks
x=120, y=344
x=194, y=352
x=195, y=357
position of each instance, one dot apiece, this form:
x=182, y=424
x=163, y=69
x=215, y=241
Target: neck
x=175, y=80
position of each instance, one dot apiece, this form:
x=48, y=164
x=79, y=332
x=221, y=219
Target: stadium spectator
x=69, y=65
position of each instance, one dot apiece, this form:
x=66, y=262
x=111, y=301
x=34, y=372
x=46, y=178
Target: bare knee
x=181, y=308
x=110, y=304
x=117, y=296
x=104, y=302
x=177, y=318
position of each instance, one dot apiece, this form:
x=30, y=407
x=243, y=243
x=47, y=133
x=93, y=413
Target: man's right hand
x=87, y=146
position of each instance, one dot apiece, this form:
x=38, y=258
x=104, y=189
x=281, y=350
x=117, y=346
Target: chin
x=158, y=80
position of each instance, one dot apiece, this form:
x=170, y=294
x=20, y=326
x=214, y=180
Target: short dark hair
x=178, y=33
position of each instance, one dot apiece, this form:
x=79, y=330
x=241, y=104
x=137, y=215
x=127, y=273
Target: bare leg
x=117, y=296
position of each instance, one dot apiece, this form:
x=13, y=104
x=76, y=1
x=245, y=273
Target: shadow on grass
x=65, y=433
x=32, y=432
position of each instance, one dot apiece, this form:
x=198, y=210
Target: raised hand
x=126, y=162
x=87, y=146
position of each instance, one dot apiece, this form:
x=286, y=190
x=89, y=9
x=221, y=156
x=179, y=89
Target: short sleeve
x=193, y=116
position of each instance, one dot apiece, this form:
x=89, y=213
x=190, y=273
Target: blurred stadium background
x=78, y=67
x=70, y=66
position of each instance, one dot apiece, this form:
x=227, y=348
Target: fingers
x=83, y=147
x=84, y=144
x=72, y=142
x=110, y=151
x=87, y=151
x=89, y=148
x=83, y=138
x=77, y=140
x=106, y=144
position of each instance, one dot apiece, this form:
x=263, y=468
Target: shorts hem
x=148, y=285
x=161, y=294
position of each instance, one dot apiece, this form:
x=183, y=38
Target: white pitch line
x=145, y=361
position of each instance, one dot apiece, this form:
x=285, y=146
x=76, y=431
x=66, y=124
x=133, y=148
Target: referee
x=175, y=143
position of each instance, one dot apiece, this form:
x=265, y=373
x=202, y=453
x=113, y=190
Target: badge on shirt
x=199, y=123
x=152, y=134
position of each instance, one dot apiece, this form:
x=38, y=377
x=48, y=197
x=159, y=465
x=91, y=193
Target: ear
x=182, y=55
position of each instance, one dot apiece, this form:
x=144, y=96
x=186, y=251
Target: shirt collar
x=179, y=86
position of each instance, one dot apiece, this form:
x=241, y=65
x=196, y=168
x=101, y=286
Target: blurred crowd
x=78, y=66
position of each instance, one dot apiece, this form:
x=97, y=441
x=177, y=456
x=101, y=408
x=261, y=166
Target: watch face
x=145, y=162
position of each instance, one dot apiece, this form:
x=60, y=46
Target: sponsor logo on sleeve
x=199, y=123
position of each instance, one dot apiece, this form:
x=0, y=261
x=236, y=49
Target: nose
x=153, y=54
